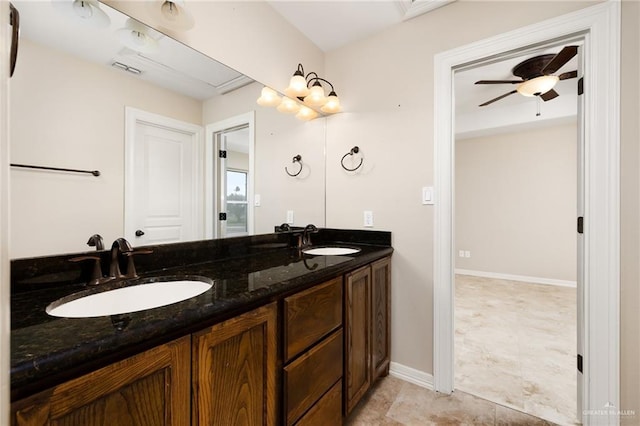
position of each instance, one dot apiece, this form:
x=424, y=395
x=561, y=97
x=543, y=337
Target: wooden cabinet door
x=380, y=321
x=234, y=369
x=357, y=342
x=152, y=388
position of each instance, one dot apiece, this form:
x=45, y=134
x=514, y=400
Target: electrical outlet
x=290, y=217
x=368, y=218
x=461, y=253
x=467, y=253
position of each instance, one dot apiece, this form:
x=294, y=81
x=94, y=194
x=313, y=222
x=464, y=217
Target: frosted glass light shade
x=316, y=96
x=332, y=104
x=288, y=106
x=297, y=87
x=171, y=14
x=84, y=12
x=306, y=114
x=537, y=86
x=268, y=97
x=135, y=36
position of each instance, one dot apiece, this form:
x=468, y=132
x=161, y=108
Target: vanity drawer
x=308, y=378
x=310, y=315
x=327, y=411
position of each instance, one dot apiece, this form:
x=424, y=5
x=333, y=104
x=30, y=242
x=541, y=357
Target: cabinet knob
x=139, y=233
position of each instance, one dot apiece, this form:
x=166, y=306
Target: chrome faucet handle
x=131, y=267
x=96, y=275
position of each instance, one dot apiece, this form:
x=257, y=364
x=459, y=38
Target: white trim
x=5, y=282
x=210, y=208
x=411, y=375
x=133, y=116
x=599, y=27
x=415, y=8
x=511, y=277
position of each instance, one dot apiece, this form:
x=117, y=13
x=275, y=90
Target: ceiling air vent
x=127, y=68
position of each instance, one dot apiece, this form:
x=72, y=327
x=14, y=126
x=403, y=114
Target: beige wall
x=515, y=196
x=394, y=127
x=66, y=112
x=279, y=137
x=630, y=213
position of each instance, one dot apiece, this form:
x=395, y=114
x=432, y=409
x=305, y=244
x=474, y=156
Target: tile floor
x=392, y=401
x=515, y=345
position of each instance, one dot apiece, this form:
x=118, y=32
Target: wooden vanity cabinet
x=367, y=322
x=313, y=362
x=151, y=388
x=234, y=371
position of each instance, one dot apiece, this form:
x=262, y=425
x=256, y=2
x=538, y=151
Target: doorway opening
x=229, y=177
x=599, y=28
x=516, y=200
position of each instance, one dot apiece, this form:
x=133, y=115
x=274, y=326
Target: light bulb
x=288, y=106
x=170, y=11
x=316, y=96
x=332, y=105
x=82, y=9
x=268, y=97
x=306, y=114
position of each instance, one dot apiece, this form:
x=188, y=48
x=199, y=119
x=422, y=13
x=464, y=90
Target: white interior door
x=162, y=183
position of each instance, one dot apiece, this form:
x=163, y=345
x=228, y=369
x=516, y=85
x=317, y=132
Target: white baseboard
x=411, y=375
x=534, y=280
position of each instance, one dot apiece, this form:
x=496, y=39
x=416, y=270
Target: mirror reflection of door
x=232, y=177
x=162, y=192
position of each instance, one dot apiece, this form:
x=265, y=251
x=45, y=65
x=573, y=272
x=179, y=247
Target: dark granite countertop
x=46, y=350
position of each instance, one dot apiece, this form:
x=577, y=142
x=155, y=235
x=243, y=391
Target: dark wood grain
x=308, y=377
x=380, y=318
x=151, y=388
x=234, y=371
x=327, y=411
x=357, y=344
x=310, y=315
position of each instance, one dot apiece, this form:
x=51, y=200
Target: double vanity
x=275, y=334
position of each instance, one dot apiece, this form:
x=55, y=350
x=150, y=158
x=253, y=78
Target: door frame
x=210, y=206
x=599, y=26
x=133, y=116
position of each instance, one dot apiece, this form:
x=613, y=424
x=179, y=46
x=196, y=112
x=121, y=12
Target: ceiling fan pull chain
x=537, y=106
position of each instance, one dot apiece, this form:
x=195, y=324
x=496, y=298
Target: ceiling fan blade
x=547, y=96
x=498, y=98
x=568, y=75
x=499, y=81
x=560, y=59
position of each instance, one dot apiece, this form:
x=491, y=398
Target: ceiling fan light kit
x=536, y=75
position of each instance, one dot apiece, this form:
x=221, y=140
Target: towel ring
x=354, y=150
x=296, y=159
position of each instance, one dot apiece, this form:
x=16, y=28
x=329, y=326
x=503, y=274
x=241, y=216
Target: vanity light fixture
x=307, y=89
x=136, y=36
x=172, y=14
x=85, y=12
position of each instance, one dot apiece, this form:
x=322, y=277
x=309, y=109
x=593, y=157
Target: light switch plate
x=256, y=200
x=427, y=195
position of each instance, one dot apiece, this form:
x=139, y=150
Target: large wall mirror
x=177, y=137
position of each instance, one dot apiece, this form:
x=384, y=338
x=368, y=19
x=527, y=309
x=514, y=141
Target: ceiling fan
x=536, y=75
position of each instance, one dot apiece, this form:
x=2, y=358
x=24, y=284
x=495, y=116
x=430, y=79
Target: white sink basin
x=134, y=298
x=330, y=251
